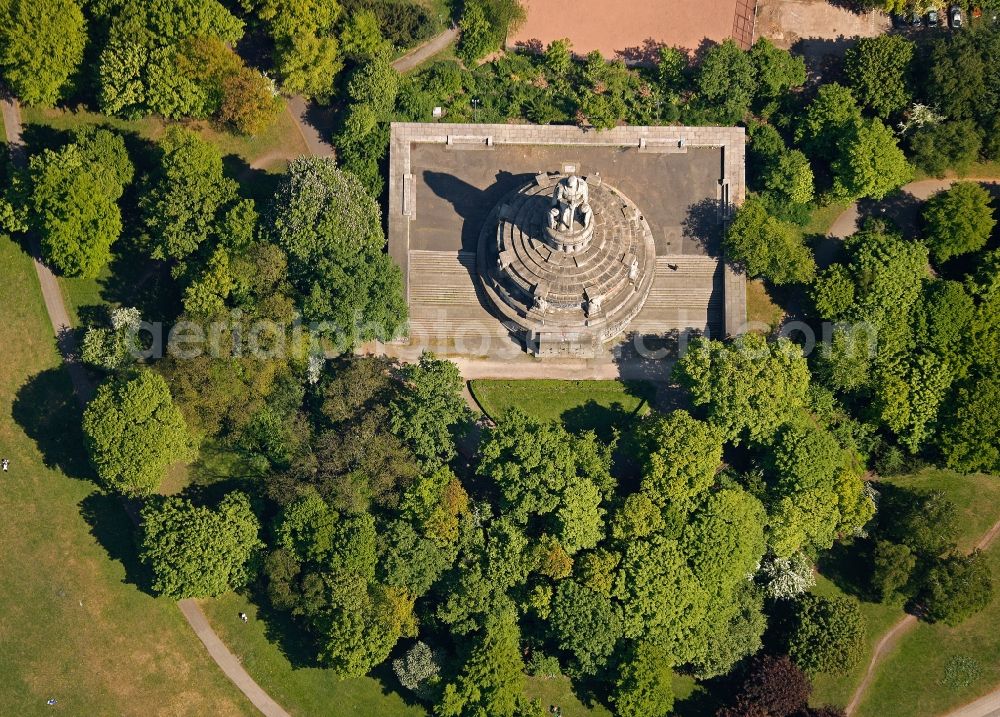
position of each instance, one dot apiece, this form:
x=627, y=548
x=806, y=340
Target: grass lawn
x=761, y=308
x=596, y=405
x=300, y=690
x=910, y=683
x=313, y=690
x=977, y=498
x=74, y=625
x=83, y=295
x=269, y=151
x=837, y=689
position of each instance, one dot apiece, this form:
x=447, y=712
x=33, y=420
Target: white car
x=955, y=13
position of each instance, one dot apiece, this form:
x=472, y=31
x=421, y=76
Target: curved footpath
x=842, y=227
x=419, y=54
x=51, y=293
x=847, y=223
x=984, y=707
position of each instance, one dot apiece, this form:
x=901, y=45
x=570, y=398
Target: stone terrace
x=445, y=178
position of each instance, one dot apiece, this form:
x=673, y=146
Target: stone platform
x=685, y=180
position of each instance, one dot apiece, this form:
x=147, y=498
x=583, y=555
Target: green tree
x=959, y=220
x=74, y=198
x=970, y=430
x=429, y=408
x=661, y=597
x=767, y=247
x=197, y=551
x=361, y=37
x=956, y=588
x=748, y=387
x=870, y=164
x=644, y=683
x=827, y=120
x=189, y=191
x=142, y=66
x=558, y=58
x=309, y=65
x=936, y=148
x=307, y=55
x=41, y=47
x=586, y=624
x=539, y=468
x=726, y=82
x=878, y=69
x=134, y=432
x=477, y=34
x=828, y=634
x=893, y=565
x=790, y=179
x=681, y=456
x=833, y=292
x=332, y=231
x=375, y=84
x=777, y=70
x=492, y=679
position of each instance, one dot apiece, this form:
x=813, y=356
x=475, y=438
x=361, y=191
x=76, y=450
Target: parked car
x=955, y=13
x=915, y=20
x=933, y=20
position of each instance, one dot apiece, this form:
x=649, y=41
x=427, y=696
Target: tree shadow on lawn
x=115, y=531
x=46, y=408
x=849, y=567
x=603, y=420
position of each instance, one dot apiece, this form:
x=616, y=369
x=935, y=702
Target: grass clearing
x=910, y=682
x=269, y=151
x=977, y=498
x=580, y=405
x=74, y=624
x=300, y=690
x=761, y=309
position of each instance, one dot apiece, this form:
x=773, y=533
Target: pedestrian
x=6, y=464
x=52, y=700
x=672, y=267
x=243, y=617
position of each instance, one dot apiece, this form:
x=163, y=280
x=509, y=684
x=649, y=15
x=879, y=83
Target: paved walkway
x=314, y=133
x=83, y=389
x=847, y=223
x=419, y=54
x=984, y=707
x=229, y=663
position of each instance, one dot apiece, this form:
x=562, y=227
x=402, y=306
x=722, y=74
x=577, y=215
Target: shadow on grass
x=849, y=567
x=116, y=533
x=46, y=409
x=604, y=420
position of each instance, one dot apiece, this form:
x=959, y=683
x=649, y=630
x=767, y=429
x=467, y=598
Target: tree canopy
x=134, y=431
x=41, y=48
x=197, y=551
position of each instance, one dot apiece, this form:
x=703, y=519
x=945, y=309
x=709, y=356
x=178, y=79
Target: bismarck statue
x=566, y=265
x=570, y=220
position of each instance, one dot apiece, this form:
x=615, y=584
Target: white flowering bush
x=417, y=669
x=785, y=578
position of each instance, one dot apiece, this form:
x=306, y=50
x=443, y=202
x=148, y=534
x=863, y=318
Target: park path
x=418, y=55
x=314, y=133
x=847, y=223
x=84, y=389
x=984, y=707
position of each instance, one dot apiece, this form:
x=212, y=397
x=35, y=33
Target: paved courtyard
x=444, y=181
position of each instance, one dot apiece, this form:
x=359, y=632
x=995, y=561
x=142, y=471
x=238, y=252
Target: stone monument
x=567, y=262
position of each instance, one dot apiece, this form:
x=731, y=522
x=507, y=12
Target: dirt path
x=987, y=704
x=418, y=55
x=82, y=387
